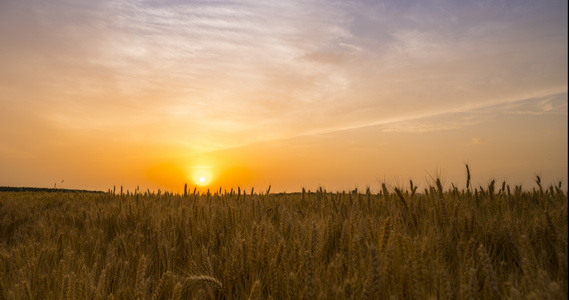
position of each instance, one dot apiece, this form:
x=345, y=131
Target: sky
x=290, y=94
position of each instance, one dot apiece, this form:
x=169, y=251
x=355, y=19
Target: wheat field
x=491, y=242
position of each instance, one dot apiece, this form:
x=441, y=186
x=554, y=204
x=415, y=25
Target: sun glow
x=202, y=175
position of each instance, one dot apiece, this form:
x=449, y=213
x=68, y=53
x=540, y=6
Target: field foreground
x=488, y=242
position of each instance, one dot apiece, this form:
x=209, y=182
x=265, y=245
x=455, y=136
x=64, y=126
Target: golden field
x=492, y=242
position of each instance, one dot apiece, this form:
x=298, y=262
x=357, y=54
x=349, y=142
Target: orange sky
x=291, y=94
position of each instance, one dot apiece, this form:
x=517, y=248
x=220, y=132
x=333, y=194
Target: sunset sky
x=289, y=93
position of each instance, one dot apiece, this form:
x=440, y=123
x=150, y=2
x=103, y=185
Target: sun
x=202, y=175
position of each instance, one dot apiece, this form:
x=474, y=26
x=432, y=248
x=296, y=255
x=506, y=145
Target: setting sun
x=202, y=175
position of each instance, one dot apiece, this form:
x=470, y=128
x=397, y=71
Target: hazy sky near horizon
x=289, y=93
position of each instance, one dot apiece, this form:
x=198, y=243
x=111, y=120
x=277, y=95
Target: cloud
x=219, y=74
x=550, y=105
x=454, y=119
x=477, y=141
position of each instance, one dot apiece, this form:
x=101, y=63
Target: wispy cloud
x=477, y=141
x=207, y=75
x=470, y=116
x=551, y=105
